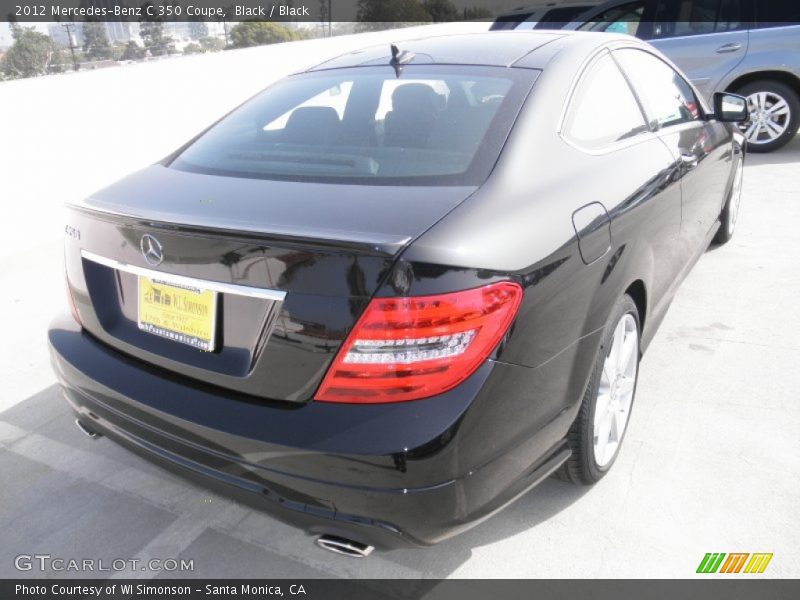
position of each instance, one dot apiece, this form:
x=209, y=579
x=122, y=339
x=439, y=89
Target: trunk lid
x=292, y=264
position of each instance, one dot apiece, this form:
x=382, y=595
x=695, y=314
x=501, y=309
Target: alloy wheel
x=616, y=389
x=770, y=116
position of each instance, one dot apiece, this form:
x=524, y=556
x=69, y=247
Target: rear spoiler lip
x=353, y=241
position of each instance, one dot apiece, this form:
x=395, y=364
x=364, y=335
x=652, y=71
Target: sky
x=5, y=32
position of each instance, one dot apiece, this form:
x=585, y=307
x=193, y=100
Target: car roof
x=523, y=49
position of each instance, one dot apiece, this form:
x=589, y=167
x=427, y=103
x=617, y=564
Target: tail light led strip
x=414, y=347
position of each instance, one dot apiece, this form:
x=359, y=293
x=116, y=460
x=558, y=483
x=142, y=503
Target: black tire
x=581, y=468
x=792, y=99
x=730, y=212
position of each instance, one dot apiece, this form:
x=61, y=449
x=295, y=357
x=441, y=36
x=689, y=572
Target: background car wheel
x=597, y=433
x=774, y=115
x=730, y=213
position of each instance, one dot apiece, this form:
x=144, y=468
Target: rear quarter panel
x=519, y=226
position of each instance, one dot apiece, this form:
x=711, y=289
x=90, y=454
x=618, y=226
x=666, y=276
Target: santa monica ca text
x=142, y=589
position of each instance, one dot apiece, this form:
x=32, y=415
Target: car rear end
x=252, y=328
x=326, y=399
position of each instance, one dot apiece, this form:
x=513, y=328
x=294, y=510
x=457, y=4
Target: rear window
x=433, y=125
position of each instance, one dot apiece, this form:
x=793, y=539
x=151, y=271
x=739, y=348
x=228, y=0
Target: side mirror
x=730, y=108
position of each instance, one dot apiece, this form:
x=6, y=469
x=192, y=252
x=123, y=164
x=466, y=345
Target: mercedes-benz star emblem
x=151, y=250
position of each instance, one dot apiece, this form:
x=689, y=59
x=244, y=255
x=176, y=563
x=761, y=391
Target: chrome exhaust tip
x=86, y=431
x=344, y=546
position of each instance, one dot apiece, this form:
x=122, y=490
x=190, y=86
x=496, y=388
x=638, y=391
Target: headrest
x=414, y=96
x=311, y=125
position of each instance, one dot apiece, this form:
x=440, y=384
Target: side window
x=677, y=18
x=777, y=14
x=624, y=18
x=668, y=99
x=509, y=21
x=603, y=109
x=560, y=17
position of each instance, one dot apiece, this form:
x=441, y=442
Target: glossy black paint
x=575, y=229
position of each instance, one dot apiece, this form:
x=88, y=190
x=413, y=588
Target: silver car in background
x=748, y=47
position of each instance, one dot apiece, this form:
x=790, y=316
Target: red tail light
x=410, y=348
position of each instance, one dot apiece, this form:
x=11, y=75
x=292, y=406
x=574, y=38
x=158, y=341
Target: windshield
x=432, y=125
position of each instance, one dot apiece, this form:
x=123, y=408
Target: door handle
x=689, y=160
x=732, y=47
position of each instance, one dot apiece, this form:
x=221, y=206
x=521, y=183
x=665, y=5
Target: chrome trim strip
x=216, y=286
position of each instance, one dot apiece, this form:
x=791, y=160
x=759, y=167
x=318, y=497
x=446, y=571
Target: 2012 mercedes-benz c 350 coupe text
x=391, y=293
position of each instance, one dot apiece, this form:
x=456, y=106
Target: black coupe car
x=388, y=295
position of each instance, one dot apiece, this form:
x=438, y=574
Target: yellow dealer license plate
x=183, y=314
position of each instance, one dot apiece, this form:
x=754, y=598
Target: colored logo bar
x=736, y=562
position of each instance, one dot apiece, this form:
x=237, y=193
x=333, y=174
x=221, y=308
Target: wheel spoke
x=608, y=373
x=628, y=355
x=625, y=386
x=601, y=410
x=617, y=348
x=773, y=129
x=779, y=108
x=602, y=436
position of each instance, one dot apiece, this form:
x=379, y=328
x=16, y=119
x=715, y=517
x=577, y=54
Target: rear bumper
x=410, y=473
